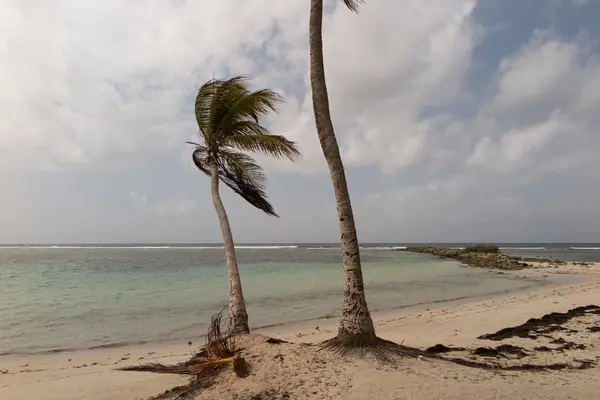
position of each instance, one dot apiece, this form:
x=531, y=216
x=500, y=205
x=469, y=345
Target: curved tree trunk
x=238, y=317
x=356, y=325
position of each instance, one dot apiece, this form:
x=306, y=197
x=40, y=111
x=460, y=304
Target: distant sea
x=68, y=297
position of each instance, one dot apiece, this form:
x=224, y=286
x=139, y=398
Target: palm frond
x=220, y=349
x=228, y=114
x=200, y=158
x=246, y=178
x=228, y=93
x=246, y=106
x=248, y=128
x=353, y=4
x=204, y=105
x=272, y=145
x=214, y=99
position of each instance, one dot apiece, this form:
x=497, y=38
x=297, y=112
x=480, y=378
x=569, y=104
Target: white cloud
x=526, y=159
x=397, y=60
x=106, y=82
x=516, y=148
x=543, y=115
x=505, y=202
x=89, y=87
x=139, y=199
x=180, y=205
x=546, y=75
x=176, y=206
x=78, y=92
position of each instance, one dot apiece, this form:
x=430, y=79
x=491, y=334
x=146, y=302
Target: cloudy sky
x=459, y=120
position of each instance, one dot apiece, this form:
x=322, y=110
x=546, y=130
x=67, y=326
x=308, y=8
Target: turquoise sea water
x=59, y=298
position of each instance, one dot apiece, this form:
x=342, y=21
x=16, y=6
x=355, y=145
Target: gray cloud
x=97, y=104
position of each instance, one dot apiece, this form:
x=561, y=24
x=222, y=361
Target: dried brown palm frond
x=219, y=345
x=220, y=349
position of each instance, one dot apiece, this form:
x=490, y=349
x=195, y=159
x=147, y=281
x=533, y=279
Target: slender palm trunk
x=356, y=325
x=238, y=317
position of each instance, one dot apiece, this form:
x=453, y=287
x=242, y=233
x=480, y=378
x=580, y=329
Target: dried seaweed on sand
x=548, y=323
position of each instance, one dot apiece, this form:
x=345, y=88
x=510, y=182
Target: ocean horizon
x=575, y=251
x=58, y=297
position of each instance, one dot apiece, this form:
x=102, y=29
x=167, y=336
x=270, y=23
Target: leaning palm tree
x=356, y=328
x=228, y=115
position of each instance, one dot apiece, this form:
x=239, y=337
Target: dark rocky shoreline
x=482, y=260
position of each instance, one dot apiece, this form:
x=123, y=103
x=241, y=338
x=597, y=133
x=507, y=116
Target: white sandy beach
x=303, y=372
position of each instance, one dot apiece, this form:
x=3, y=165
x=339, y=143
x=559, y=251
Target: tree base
x=369, y=344
x=386, y=351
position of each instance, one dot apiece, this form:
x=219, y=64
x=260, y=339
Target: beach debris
x=264, y=394
x=440, y=348
x=566, y=346
x=558, y=341
x=275, y=341
x=510, y=352
x=594, y=329
x=205, y=365
x=509, y=349
x=542, y=326
x=184, y=391
x=534, y=328
x=578, y=365
x=220, y=350
x=486, y=352
x=504, y=350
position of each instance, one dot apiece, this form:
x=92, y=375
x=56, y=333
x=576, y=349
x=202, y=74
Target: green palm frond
x=249, y=106
x=228, y=115
x=246, y=178
x=214, y=100
x=353, y=4
x=272, y=145
x=241, y=173
x=221, y=104
x=248, y=128
x=203, y=106
x=200, y=158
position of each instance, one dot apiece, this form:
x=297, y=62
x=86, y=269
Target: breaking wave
x=245, y=247
x=523, y=248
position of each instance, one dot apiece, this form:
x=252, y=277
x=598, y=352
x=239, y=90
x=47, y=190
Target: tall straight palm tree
x=356, y=328
x=228, y=115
